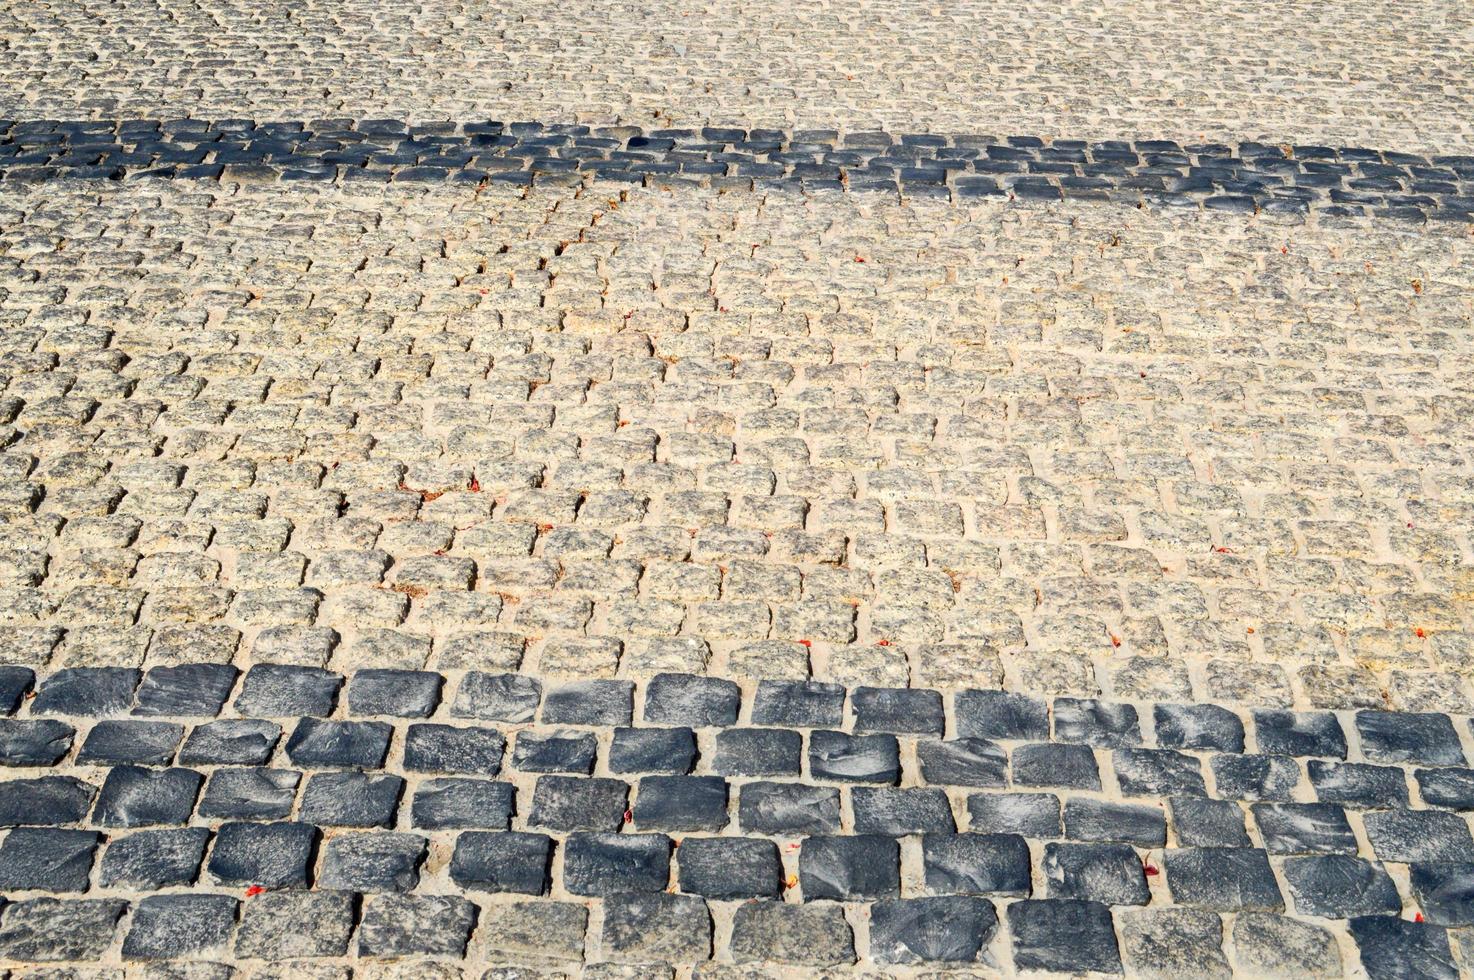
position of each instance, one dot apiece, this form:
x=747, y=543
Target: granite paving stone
x=735, y=491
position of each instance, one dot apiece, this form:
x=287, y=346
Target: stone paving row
x=929, y=825
x=1248, y=177
x=1010, y=584
x=1379, y=72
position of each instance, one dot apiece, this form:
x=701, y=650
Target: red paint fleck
x=254, y=890
x=805, y=643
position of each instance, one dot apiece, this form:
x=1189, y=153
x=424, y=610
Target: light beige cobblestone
x=609, y=433
x=1387, y=73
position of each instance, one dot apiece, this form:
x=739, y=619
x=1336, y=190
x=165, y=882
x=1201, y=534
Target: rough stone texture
x=1237, y=69
x=925, y=578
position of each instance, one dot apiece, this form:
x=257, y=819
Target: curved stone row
x=1083, y=825
x=1248, y=177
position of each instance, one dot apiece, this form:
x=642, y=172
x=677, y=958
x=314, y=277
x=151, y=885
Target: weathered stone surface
x=44, y=930
x=656, y=929
x=180, y=926
x=802, y=935
x=1278, y=946
x=410, y=925
x=287, y=925
x=1173, y=943
x=927, y=930
x=1063, y=936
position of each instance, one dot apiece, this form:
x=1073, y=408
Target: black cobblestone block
x=681, y=803
x=962, y=762
x=758, y=752
x=167, y=927
x=454, y=804
x=502, y=862
x=232, y=742
x=1097, y=723
x=1304, y=828
x=898, y=812
x=449, y=749
x=148, y=743
x=1300, y=733
x=729, y=867
x=1222, y=879
x=1001, y=715
x=1408, y=836
x=133, y=796
x=1255, y=777
x=344, y=744
x=1405, y=736
x=1198, y=726
x=1445, y=891
x=1064, y=936
x=660, y=750
x=848, y=869
x=1357, y=784
x=44, y=859
x=253, y=793
x=596, y=865
x=1395, y=948
x=1158, y=772
x=1053, y=764
x=557, y=751
x=900, y=711
x=1201, y=822
x=692, y=701
x=152, y=859
x=51, y=801
x=847, y=758
x=571, y=803
x=931, y=930
x=590, y=703
x=1108, y=873
x=189, y=690
x=271, y=855
x=397, y=693
x=788, y=808
x=1451, y=788
x=92, y=692
x=351, y=799
x=283, y=691
x=1029, y=814
x=1338, y=886
x=798, y=704
x=976, y=864
x=1086, y=819
x=38, y=742
x=15, y=684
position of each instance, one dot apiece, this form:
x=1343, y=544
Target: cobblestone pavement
x=723, y=491
x=1381, y=73
x=1251, y=177
x=803, y=580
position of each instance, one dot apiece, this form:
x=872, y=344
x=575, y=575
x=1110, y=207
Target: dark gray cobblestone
x=951, y=868
x=1245, y=178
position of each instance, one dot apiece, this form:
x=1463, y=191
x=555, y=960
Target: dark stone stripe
x=1247, y=177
